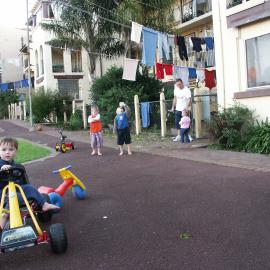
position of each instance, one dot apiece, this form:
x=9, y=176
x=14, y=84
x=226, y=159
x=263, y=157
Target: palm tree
x=81, y=24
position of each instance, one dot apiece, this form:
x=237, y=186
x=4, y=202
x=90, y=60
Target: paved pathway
x=177, y=150
x=138, y=206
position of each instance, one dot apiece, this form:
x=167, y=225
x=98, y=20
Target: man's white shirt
x=182, y=98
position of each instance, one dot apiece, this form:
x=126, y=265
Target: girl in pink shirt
x=184, y=124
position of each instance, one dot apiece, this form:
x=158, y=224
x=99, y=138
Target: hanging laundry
x=210, y=79
x=159, y=71
x=4, y=87
x=209, y=41
x=197, y=44
x=200, y=74
x=194, y=8
x=163, y=46
x=130, y=69
x=171, y=40
x=136, y=31
x=150, y=38
x=145, y=113
x=180, y=41
x=184, y=75
x=168, y=69
x=192, y=73
x=17, y=84
x=210, y=50
x=176, y=72
x=25, y=83
x=11, y=86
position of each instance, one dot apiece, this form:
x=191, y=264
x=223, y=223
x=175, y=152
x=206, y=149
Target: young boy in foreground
x=8, y=150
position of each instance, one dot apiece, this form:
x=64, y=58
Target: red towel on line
x=159, y=71
x=210, y=81
x=168, y=69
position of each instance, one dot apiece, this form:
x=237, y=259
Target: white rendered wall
x=231, y=60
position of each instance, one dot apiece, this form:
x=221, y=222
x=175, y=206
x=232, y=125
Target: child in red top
x=95, y=131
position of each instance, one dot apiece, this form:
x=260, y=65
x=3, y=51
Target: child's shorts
x=123, y=136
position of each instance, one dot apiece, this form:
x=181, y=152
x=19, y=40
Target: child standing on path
x=95, y=131
x=121, y=126
x=184, y=123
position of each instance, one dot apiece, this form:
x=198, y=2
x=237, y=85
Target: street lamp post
x=29, y=71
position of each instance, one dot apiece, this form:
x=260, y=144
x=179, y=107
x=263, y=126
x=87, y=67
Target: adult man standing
x=181, y=101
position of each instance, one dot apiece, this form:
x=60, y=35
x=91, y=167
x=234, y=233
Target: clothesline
x=14, y=85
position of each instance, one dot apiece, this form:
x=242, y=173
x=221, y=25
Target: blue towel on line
x=150, y=39
x=145, y=112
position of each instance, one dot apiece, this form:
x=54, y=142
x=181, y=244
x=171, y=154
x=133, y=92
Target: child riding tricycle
x=22, y=205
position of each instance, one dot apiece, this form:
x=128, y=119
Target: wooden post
x=73, y=106
x=24, y=110
x=137, y=115
x=12, y=111
x=163, y=115
x=198, y=114
x=84, y=115
x=65, y=113
x=21, y=113
x=9, y=113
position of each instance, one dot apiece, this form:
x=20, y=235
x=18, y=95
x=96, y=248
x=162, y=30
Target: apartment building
x=193, y=19
x=54, y=68
x=242, y=41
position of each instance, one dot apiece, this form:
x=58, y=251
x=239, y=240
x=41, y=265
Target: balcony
x=58, y=68
x=233, y=3
x=191, y=11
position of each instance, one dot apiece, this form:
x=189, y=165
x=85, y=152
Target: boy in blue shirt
x=121, y=125
x=8, y=149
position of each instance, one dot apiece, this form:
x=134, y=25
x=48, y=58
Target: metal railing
x=58, y=68
x=189, y=12
x=233, y=3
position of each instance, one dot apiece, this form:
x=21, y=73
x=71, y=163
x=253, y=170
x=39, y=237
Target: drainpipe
x=222, y=53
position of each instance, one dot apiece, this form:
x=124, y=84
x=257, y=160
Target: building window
x=47, y=11
x=232, y=3
x=41, y=61
x=76, y=61
x=37, y=66
x=57, y=60
x=69, y=87
x=258, y=61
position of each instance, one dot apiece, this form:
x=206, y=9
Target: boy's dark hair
x=8, y=140
x=178, y=80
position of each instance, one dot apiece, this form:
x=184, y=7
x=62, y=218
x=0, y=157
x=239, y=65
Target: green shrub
x=59, y=107
x=232, y=127
x=6, y=98
x=110, y=89
x=260, y=139
x=42, y=105
x=76, y=120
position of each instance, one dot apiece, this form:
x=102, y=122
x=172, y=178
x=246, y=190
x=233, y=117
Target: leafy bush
x=59, y=107
x=42, y=105
x=76, y=120
x=232, y=127
x=6, y=98
x=260, y=139
x=110, y=89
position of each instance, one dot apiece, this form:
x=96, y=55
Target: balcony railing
x=76, y=68
x=189, y=11
x=58, y=68
x=233, y=3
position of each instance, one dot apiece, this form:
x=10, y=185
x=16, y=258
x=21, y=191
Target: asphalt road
x=139, y=206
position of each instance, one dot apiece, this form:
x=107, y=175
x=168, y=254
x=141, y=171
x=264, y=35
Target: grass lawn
x=28, y=151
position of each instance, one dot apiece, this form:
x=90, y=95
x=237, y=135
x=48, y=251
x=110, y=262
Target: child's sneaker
x=177, y=138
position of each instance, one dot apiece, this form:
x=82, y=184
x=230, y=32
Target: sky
x=13, y=13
